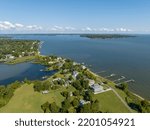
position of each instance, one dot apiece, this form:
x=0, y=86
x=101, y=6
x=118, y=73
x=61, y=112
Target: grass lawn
x=25, y=100
x=109, y=102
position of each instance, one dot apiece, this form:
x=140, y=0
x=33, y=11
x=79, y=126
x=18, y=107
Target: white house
x=45, y=92
x=83, y=102
x=91, y=82
x=50, y=62
x=75, y=63
x=9, y=56
x=97, y=88
x=57, y=79
x=20, y=56
x=75, y=74
x=83, y=67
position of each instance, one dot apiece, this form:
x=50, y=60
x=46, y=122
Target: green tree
x=54, y=108
x=75, y=102
x=86, y=108
x=65, y=94
x=37, y=86
x=46, y=85
x=95, y=106
x=123, y=86
x=66, y=104
x=85, y=84
x=79, y=76
x=45, y=107
x=88, y=96
x=76, y=93
x=77, y=85
x=145, y=103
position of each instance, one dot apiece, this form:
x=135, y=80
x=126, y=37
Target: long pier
x=131, y=80
x=103, y=71
x=122, y=77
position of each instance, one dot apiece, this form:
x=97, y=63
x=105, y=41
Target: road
x=122, y=100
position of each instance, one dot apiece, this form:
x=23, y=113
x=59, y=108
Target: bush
x=75, y=102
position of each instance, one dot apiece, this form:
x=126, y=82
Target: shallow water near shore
x=129, y=57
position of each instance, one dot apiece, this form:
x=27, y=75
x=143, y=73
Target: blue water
x=11, y=73
x=129, y=57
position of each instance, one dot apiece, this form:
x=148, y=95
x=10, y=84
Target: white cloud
x=6, y=26
x=123, y=30
x=87, y=29
x=33, y=27
x=58, y=28
x=62, y=29
x=53, y=29
x=106, y=30
x=70, y=28
x=18, y=27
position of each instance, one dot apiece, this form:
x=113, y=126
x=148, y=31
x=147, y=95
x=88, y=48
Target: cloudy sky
x=74, y=16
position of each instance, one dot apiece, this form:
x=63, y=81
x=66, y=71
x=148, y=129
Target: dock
x=103, y=71
x=122, y=77
x=127, y=81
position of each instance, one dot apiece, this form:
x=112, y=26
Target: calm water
x=129, y=57
x=11, y=73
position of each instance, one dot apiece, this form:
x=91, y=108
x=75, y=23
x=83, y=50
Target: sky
x=74, y=16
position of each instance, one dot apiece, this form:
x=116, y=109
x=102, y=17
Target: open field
x=25, y=100
x=109, y=102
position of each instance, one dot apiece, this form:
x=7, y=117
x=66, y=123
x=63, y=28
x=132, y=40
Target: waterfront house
x=97, y=88
x=83, y=67
x=9, y=56
x=50, y=62
x=91, y=82
x=75, y=63
x=57, y=79
x=20, y=56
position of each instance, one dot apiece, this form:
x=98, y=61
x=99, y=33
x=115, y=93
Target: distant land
x=105, y=36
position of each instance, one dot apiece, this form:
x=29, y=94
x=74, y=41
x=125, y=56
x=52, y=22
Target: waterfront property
x=91, y=82
x=97, y=88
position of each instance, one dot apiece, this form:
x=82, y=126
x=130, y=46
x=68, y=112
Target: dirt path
x=122, y=100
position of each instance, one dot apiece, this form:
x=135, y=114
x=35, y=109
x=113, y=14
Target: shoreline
x=39, y=54
x=138, y=96
x=119, y=94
